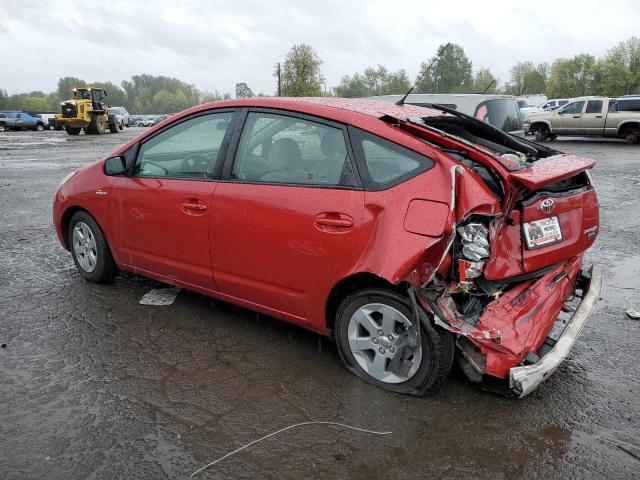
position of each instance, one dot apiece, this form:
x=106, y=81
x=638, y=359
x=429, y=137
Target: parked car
x=16, y=120
x=47, y=119
x=527, y=110
x=146, y=121
x=500, y=111
x=555, y=103
x=411, y=236
x=592, y=116
x=161, y=118
x=122, y=116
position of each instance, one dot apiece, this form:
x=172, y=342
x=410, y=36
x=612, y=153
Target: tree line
x=616, y=73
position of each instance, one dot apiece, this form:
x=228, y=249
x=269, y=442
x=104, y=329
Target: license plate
x=540, y=233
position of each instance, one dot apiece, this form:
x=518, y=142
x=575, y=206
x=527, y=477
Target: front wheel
x=39, y=127
x=90, y=250
x=378, y=342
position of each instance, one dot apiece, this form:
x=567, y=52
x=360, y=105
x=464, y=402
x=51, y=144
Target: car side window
x=188, y=149
x=575, y=107
x=563, y=102
x=594, y=106
x=277, y=148
x=386, y=163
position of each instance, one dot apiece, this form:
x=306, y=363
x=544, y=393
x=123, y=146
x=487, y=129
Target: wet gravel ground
x=94, y=385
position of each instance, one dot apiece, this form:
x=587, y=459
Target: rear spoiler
x=550, y=170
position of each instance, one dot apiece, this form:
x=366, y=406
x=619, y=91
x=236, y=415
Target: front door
x=161, y=212
x=570, y=118
x=288, y=214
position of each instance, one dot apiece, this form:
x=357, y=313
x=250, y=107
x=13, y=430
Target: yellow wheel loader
x=87, y=109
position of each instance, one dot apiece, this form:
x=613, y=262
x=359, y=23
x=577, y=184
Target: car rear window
x=502, y=113
x=384, y=164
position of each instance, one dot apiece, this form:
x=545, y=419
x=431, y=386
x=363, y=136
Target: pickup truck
x=589, y=116
x=13, y=120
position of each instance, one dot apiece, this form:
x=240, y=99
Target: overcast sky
x=214, y=44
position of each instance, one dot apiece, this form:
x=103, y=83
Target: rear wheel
x=90, y=250
x=631, y=138
x=3, y=127
x=376, y=342
x=72, y=130
x=39, y=127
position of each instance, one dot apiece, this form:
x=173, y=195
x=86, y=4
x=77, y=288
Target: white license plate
x=545, y=231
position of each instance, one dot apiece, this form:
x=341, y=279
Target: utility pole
x=279, y=82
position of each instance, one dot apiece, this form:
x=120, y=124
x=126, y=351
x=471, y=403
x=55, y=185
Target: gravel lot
x=94, y=385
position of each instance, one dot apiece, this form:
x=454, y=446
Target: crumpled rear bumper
x=524, y=379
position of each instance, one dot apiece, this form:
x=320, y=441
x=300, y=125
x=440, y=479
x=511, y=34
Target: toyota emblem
x=547, y=206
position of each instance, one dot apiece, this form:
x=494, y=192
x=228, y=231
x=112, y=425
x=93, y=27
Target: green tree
x=618, y=73
x=300, y=74
x=451, y=73
x=572, y=77
x=36, y=104
x=4, y=99
x=373, y=81
x=243, y=91
x=66, y=86
x=165, y=101
x=484, y=79
x=527, y=78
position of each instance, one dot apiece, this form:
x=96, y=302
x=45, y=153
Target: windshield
x=501, y=113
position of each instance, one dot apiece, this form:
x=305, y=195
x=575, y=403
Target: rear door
x=161, y=211
x=592, y=120
x=286, y=214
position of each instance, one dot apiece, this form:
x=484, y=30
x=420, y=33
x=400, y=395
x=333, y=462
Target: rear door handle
x=333, y=222
x=576, y=116
x=598, y=116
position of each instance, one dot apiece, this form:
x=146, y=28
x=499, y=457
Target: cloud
x=214, y=44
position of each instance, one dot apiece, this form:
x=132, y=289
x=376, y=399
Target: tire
x=121, y=126
x=3, y=127
x=72, y=130
x=631, y=138
x=39, y=127
x=90, y=249
x=541, y=132
x=97, y=125
x=113, y=124
x=419, y=375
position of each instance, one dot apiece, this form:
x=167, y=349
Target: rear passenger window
x=594, y=106
x=285, y=149
x=384, y=163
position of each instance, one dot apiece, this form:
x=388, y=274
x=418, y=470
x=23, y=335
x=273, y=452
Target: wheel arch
x=65, y=221
x=351, y=284
x=629, y=126
x=540, y=122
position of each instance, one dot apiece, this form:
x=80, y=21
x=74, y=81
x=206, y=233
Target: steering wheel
x=147, y=162
x=195, y=163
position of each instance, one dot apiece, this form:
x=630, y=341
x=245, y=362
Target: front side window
x=188, y=149
x=575, y=107
x=277, y=148
x=594, y=106
x=385, y=163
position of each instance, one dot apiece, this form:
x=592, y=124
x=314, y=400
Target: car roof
x=338, y=109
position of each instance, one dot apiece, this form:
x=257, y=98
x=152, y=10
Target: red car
x=414, y=236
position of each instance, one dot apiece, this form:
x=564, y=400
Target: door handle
x=598, y=116
x=193, y=207
x=576, y=116
x=333, y=222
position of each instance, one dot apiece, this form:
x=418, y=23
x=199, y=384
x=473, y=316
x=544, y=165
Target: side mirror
x=115, y=166
x=559, y=111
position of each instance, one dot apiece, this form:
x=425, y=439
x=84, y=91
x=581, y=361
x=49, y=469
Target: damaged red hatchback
x=414, y=236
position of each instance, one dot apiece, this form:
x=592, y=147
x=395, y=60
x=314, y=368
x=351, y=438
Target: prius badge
x=547, y=206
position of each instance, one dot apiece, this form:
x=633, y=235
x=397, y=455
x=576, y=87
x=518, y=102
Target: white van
x=499, y=110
